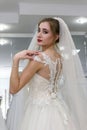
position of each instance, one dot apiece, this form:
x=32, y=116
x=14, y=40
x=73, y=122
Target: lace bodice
x=43, y=86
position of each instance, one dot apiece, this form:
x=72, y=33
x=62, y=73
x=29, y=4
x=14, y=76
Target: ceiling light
x=81, y=20
x=3, y=27
x=3, y=42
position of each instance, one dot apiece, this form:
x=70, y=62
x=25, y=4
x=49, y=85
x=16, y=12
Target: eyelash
x=45, y=32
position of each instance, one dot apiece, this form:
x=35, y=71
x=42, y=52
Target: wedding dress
x=15, y=112
x=74, y=90
x=45, y=107
x=2, y=122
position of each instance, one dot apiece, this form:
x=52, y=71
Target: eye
x=45, y=31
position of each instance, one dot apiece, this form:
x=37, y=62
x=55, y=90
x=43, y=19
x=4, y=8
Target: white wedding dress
x=45, y=109
x=2, y=122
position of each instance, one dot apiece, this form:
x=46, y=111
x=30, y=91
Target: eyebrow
x=43, y=28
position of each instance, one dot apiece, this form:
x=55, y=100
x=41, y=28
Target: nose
x=39, y=34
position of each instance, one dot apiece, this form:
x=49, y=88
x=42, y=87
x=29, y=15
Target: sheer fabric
x=15, y=112
x=2, y=122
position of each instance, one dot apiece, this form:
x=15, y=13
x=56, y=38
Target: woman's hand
x=26, y=54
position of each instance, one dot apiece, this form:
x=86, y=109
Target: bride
x=57, y=87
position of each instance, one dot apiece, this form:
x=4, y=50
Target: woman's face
x=45, y=36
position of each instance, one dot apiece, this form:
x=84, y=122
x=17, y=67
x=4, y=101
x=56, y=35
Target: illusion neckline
x=43, y=53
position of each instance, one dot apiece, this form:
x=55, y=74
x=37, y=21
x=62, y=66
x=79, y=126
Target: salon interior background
x=18, y=20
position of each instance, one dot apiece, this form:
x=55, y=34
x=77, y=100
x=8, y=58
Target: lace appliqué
x=36, y=58
x=54, y=67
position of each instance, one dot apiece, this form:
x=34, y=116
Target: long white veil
x=75, y=83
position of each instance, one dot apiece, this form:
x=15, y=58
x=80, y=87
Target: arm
x=17, y=82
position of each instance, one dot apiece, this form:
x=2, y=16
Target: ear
x=57, y=37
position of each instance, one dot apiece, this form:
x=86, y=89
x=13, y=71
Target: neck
x=51, y=47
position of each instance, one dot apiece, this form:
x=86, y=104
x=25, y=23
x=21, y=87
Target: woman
x=51, y=106
x=2, y=122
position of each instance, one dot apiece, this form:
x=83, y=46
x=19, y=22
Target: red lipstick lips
x=39, y=40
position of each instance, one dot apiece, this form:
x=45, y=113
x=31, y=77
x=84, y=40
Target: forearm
x=16, y=81
x=14, y=78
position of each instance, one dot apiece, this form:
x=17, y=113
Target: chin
x=40, y=44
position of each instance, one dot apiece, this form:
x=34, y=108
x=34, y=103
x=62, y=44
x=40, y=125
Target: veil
x=74, y=90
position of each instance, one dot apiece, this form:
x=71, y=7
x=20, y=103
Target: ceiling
x=22, y=17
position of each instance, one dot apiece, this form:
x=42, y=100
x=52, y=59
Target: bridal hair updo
x=54, y=25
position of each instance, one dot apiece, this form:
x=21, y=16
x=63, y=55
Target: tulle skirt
x=47, y=116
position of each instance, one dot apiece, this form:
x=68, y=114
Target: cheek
x=48, y=38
